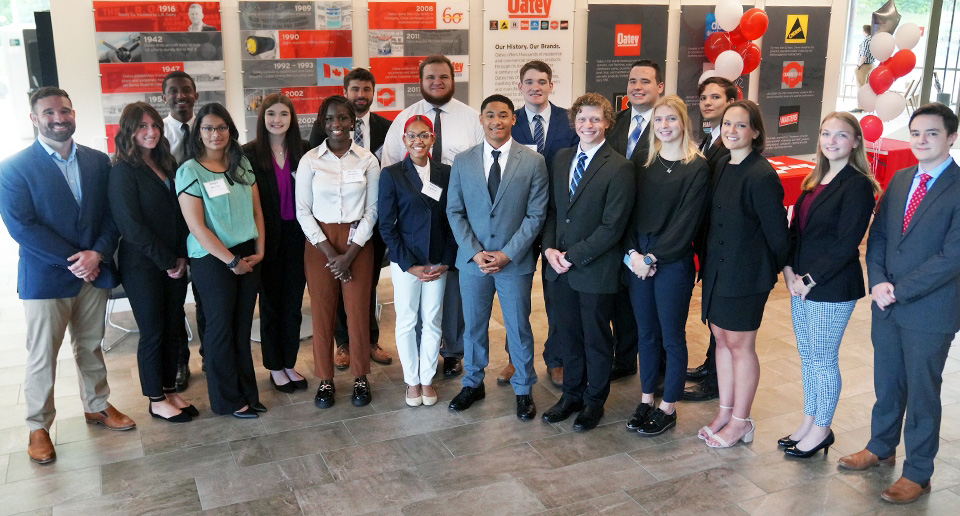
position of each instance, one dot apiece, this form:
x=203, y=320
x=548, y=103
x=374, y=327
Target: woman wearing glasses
x=221, y=204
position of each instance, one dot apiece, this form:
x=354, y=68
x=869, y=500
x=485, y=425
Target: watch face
x=647, y=260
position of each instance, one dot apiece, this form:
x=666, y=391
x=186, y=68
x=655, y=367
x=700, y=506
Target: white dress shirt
x=646, y=115
x=172, y=130
x=460, y=126
x=714, y=134
x=590, y=154
x=533, y=124
x=365, y=130
x=488, y=157
x=423, y=172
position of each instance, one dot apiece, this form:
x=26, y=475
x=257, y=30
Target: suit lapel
x=941, y=185
x=561, y=181
x=513, y=163
x=830, y=189
x=598, y=161
x=54, y=177
x=553, y=126
x=479, y=172
x=523, y=126
x=413, y=179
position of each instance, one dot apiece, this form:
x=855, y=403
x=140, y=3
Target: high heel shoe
x=786, y=442
x=182, y=417
x=747, y=437
x=705, y=433
x=826, y=443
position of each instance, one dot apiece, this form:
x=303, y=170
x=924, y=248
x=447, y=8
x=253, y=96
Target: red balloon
x=902, y=62
x=753, y=23
x=736, y=37
x=881, y=78
x=739, y=93
x=872, y=128
x=751, y=57
x=716, y=43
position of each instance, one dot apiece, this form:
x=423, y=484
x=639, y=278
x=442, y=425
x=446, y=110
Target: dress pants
x=47, y=321
x=585, y=340
x=325, y=289
x=452, y=325
x=184, y=346
x=552, y=349
x=281, y=296
x=819, y=327
x=413, y=298
x=624, y=331
x=228, y=301
x=340, y=333
x=514, y=295
x=908, y=373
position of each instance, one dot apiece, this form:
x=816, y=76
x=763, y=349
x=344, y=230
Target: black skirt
x=743, y=313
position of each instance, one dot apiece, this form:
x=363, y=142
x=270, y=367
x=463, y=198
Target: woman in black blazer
x=152, y=253
x=746, y=247
x=823, y=271
x=274, y=155
x=411, y=205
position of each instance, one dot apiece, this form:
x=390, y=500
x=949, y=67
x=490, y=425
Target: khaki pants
x=47, y=320
x=862, y=74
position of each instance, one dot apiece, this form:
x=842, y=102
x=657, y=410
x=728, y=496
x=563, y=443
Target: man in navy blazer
x=53, y=200
x=913, y=268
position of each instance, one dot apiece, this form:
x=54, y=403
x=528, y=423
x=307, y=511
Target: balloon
x=882, y=46
x=736, y=37
x=739, y=93
x=890, y=105
x=881, y=78
x=753, y=23
x=902, y=62
x=885, y=19
x=729, y=65
x=866, y=98
x=706, y=75
x=728, y=13
x=907, y=36
x=872, y=128
x=751, y=57
x=716, y=43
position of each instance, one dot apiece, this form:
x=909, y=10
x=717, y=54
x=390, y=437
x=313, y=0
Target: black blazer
x=747, y=239
x=413, y=225
x=829, y=247
x=147, y=213
x=621, y=131
x=378, y=132
x=559, y=133
x=715, y=152
x=589, y=226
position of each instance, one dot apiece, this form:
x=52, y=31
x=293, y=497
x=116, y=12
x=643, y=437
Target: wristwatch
x=236, y=260
x=808, y=281
x=647, y=260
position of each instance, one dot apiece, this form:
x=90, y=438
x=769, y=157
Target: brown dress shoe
x=506, y=374
x=110, y=418
x=556, y=376
x=864, y=459
x=41, y=449
x=904, y=491
x=378, y=355
x=341, y=358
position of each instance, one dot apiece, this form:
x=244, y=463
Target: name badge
x=530, y=146
x=432, y=191
x=353, y=176
x=216, y=188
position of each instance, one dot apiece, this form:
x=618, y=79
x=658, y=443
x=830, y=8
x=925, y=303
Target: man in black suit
x=913, y=267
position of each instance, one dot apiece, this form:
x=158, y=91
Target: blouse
x=227, y=205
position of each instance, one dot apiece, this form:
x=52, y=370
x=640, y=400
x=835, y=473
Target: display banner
x=138, y=43
x=794, y=55
x=301, y=49
x=518, y=31
x=617, y=36
x=401, y=35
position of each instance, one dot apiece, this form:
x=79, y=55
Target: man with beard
x=53, y=200
x=457, y=128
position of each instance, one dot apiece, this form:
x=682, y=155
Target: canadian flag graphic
x=334, y=72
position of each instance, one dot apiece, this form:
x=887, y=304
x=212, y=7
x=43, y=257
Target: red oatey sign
x=134, y=77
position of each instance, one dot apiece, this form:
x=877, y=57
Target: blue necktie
x=635, y=135
x=538, y=132
x=358, y=133
x=578, y=173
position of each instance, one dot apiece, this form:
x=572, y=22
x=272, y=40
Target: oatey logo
x=796, y=28
x=457, y=68
x=627, y=40
x=529, y=8
x=789, y=119
x=386, y=97
x=792, y=75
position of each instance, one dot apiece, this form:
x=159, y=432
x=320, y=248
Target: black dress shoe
x=190, y=409
x=658, y=423
x=182, y=417
x=526, y=409
x=825, y=444
x=466, y=397
x=704, y=390
x=183, y=377
x=451, y=367
x=786, y=442
x=247, y=413
x=697, y=373
x=621, y=372
x=285, y=388
x=258, y=407
x=299, y=384
x=361, y=392
x=562, y=410
x=640, y=415
x=588, y=419
x=325, y=393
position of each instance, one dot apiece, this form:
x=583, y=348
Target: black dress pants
x=184, y=345
x=586, y=344
x=624, y=332
x=282, y=282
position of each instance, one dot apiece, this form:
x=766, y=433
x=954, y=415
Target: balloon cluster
x=733, y=51
x=894, y=64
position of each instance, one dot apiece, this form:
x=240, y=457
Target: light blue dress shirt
x=934, y=174
x=70, y=168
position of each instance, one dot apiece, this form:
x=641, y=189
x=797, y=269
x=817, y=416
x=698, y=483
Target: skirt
x=743, y=313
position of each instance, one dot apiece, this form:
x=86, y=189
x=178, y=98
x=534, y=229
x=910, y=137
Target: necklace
x=279, y=155
x=669, y=168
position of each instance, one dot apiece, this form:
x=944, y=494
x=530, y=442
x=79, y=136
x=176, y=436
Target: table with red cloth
x=886, y=156
x=791, y=172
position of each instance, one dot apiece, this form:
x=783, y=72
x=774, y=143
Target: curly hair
x=127, y=150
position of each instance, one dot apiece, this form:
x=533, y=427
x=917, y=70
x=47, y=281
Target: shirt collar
x=504, y=149
x=178, y=123
x=590, y=153
x=323, y=149
x=56, y=155
x=646, y=114
x=365, y=118
x=545, y=113
x=935, y=173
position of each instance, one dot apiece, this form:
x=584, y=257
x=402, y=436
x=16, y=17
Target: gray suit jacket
x=923, y=264
x=510, y=222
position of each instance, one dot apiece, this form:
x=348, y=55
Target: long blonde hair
x=675, y=103
x=857, y=159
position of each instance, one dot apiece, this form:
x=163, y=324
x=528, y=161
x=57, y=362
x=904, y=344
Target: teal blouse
x=227, y=208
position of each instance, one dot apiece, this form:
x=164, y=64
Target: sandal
x=746, y=438
x=705, y=433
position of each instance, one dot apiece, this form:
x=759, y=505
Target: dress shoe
x=40, y=448
x=429, y=400
x=190, y=409
x=746, y=438
x=361, y=392
x=341, y=358
x=506, y=374
x=825, y=444
x=183, y=377
x=258, y=407
x=904, y=491
x=299, y=384
x=285, y=388
x=704, y=390
x=466, y=397
x=247, y=413
x=697, y=373
x=526, y=408
x=640, y=415
x=378, y=355
x=588, y=419
x=658, y=423
x=786, y=441
x=181, y=417
x=556, y=376
x=415, y=401
x=325, y=393
x=621, y=372
x=864, y=459
x=110, y=418
x=561, y=410
x=451, y=367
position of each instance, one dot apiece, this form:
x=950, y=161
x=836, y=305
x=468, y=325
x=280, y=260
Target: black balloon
x=886, y=18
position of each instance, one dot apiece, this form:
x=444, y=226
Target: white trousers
x=410, y=298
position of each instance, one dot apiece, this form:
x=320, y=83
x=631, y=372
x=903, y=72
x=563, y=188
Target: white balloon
x=706, y=75
x=729, y=65
x=907, y=36
x=866, y=98
x=728, y=14
x=890, y=105
x=882, y=46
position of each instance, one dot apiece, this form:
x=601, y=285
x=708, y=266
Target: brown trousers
x=324, y=290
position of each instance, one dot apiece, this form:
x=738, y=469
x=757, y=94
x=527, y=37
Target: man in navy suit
x=53, y=200
x=545, y=128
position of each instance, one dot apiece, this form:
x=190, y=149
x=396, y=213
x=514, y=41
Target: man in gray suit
x=913, y=265
x=496, y=203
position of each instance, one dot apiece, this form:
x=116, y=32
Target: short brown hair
x=539, y=66
x=756, y=122
x=729, y=89
x=595, y=100
x=435, y=58
x=358, y=74
x=47, y=91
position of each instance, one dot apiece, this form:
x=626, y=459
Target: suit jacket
x=42, y=215
x=829, y=247
x=509, y=223
x=378, y=132
x=588, y=227
x=559, y=133
x=715, y=152
x=923, y=264
x=413, y=225
x=621, y=132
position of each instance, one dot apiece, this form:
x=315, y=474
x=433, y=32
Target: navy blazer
x=559, y=133
x=410, y=221
x=42, y=215
x=620, y=132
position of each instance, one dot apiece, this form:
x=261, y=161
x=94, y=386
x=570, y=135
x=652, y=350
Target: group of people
x=627, y=211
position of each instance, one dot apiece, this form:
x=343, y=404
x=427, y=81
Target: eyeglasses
x=418, y=136
x=220, y=128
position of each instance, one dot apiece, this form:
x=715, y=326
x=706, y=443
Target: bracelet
x=235, y=262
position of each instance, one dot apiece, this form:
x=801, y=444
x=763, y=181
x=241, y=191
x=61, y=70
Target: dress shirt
x=423, y=172
x=714, y=134
x=70, y=168
x=934, y=174
x=461, y=130
x=864, y=50
x=365, y=130
x=172, y=130
x=502, y=160
x=590, y=153
x=647, y=115
x=322, y=195
x=533, y=124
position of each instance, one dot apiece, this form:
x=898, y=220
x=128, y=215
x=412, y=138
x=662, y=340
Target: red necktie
x=915, y=200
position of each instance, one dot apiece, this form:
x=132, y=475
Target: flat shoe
x=190, y=409
x=247, y=413
x=182, y=417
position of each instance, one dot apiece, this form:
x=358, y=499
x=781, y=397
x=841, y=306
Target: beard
x=361, y=110
x=437, y=101
x=48, y=132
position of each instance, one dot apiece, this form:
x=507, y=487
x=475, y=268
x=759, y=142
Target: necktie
x=437, y=153
x=358, y=133
x=578, y=173
x=635, y=135
x=915, y=200
x=493, y=182
x=185, y=142
x=538, y=132
x=706, y=143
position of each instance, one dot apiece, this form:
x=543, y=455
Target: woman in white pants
x=413, y=222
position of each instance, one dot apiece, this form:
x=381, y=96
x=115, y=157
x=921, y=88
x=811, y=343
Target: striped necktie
x=578, y=173
x=358, y=133
x=538, y=132
x=635, y=136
